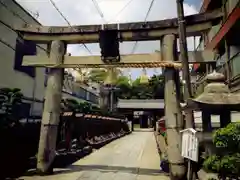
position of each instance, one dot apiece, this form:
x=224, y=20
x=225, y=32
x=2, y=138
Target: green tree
x=101, y=75
x=152, y=88
x=107, y=76
x=75, y=106
x=123, y=87
x=157, y=83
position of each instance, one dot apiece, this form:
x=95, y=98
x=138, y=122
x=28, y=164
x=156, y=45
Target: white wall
x=11, y=14
x=31, y=87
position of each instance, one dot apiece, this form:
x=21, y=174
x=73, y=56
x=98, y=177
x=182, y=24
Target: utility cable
x=149, y=10
x=58, y=10
x=95, y=3
x=119, y=12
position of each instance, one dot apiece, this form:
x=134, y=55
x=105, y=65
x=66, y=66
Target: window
x=24, y=47
x=235, y=65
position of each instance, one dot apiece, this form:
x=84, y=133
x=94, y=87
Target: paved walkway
x=133, y=157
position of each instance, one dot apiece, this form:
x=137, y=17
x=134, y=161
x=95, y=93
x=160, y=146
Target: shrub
x=227, y=160
x=228, y=138
x=212, y=163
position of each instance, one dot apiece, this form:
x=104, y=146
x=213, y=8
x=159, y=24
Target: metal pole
x=111, y=99
x=183, y=48
x=184, y=59
x=186, y=75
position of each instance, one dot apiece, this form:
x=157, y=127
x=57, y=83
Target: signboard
x=138, y=113
x=189, y=144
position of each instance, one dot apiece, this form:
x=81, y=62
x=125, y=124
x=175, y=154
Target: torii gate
x=59, y=37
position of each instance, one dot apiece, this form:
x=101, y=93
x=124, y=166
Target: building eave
x=231, y=20
x=22, y=8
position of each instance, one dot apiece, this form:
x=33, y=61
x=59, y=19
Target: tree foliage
x=10, y=102
x=153, y=89
x=227, y=159
x=75, y=106
x=100, y=75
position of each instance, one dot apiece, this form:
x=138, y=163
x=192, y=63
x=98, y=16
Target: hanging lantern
x=130, y=78
x=144, y=77
x=109, y=44
x=110, y=79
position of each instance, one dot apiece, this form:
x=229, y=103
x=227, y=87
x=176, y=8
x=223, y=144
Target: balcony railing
x=235, y=66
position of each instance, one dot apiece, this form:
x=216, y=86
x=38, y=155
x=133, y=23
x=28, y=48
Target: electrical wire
x=98, y=9
x=119, y=12
x=58, y=10
x=149, y=10
x=134, y=47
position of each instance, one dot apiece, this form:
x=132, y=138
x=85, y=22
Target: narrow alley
x=133, y=157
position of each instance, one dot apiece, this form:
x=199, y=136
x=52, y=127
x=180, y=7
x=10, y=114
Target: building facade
x=29, y=79
x=224, y=40
x=79, y=91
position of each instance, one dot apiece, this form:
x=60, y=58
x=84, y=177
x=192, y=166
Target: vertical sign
x=189, y=144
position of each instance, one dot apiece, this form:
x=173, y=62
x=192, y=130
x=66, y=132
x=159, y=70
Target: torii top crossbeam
x=138, y=31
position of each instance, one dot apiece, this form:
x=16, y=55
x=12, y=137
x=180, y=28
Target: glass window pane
x=235, y=65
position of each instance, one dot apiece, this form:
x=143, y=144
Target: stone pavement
x=133, y=157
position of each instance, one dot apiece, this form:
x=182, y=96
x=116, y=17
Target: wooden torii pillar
x=51, y=112
x=173, y=115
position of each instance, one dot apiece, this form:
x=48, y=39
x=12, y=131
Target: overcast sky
x=80, y=12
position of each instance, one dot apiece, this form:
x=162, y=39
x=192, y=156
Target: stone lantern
x=216, y=99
